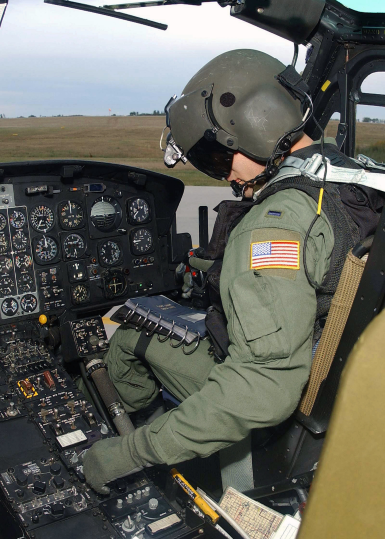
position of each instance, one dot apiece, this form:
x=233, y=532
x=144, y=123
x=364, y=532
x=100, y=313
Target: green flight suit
x=270, y=315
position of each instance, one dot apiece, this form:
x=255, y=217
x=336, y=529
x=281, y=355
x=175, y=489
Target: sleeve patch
x=274, y=254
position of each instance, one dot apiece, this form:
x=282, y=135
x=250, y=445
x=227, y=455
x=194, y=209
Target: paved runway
x=193, y=197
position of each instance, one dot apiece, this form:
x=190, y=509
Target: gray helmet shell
x=237, y=97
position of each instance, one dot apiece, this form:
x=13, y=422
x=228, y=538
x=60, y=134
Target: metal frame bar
x=108, y=12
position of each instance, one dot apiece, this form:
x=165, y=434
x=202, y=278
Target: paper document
x=288, y=528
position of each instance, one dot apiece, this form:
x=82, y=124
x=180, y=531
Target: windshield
x=369, y=6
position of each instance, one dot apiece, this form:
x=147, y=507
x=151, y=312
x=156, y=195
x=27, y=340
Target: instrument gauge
x=4, y=243
x=77, y=271
x=9, y=307
x=25, y=283
x=6, y=286
x=17, y=219
x=109, y=253
x=42, y=218
x=141, y=241
x=28, y=303
x=80, y=294
x=6, y=264
x=138, y=211
x=23, y=261
x=46, y=249
x=106, y=213
x=74, y=246
x=19, y=240
x=3, y=222
x=71, y=215
x=115, y=284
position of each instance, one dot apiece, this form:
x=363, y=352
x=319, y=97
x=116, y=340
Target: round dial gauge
x=115, y=284
x=17, y=219
x=138, y=211
x=9, y=307
x=141, y=241
x=23, y=261
x=4, y=243
x=42, y=218
x=3, y=221
x=106, y=213
x=6, y=264
x=19, y=240
x=80, y=294
x=28, y=303
x=74, y=246
x=25, y=283
x=109, y=253
x=6, y=286
x=77, y=271
x=71, y=215
x=46, y=249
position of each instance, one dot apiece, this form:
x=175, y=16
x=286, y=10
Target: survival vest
x=353, y=212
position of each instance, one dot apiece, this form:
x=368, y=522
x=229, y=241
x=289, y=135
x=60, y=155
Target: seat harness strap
x=313, y=168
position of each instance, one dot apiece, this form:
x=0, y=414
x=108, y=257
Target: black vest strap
x=141, y=347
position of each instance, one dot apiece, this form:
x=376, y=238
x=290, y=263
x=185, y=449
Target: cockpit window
x=370, y=6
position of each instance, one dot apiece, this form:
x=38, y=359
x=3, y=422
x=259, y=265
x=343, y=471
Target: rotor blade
x=3, y=7
x=108, y=12
x=152, y=3
x=138, y=4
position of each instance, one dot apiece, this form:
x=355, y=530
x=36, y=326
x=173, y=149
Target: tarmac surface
x=193, y=197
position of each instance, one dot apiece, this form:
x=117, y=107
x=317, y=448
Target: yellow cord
x=321, y=194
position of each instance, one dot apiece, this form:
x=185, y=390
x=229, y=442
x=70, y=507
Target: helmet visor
x=211, y=158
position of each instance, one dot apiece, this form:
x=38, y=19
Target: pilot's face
x=244, y=169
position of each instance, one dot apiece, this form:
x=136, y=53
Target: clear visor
x=211, y=158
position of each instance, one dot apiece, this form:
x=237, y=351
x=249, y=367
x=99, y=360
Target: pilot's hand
x=108, y=460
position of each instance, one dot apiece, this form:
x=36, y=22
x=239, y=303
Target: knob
x=55, y=468
x=153, y=504
x=39, y=487
x=119, y=503
x=21, y=478
x=57, y=509
x=35, y=518
x=138, y=495
x=129, y=498
x=94, y=340
x=58, y=482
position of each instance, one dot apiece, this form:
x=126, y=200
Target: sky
x=56, y=60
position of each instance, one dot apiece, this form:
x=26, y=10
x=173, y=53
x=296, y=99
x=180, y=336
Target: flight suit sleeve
x=271, y=312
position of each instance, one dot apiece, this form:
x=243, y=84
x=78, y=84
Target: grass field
x=125, y=140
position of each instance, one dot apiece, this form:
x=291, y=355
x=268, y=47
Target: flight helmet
x=236, y=102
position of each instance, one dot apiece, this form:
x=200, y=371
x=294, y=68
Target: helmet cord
x=314, y=283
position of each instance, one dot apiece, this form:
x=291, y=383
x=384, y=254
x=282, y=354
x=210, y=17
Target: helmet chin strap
x=239, y=190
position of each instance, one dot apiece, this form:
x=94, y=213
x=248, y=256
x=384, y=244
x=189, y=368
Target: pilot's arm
x=270, y=315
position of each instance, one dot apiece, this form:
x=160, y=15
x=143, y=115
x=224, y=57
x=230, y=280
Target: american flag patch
x=275, y=254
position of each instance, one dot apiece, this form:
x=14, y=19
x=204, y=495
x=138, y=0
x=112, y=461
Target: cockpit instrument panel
x=77, y=236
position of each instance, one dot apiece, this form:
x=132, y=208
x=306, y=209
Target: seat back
x=346, y=498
